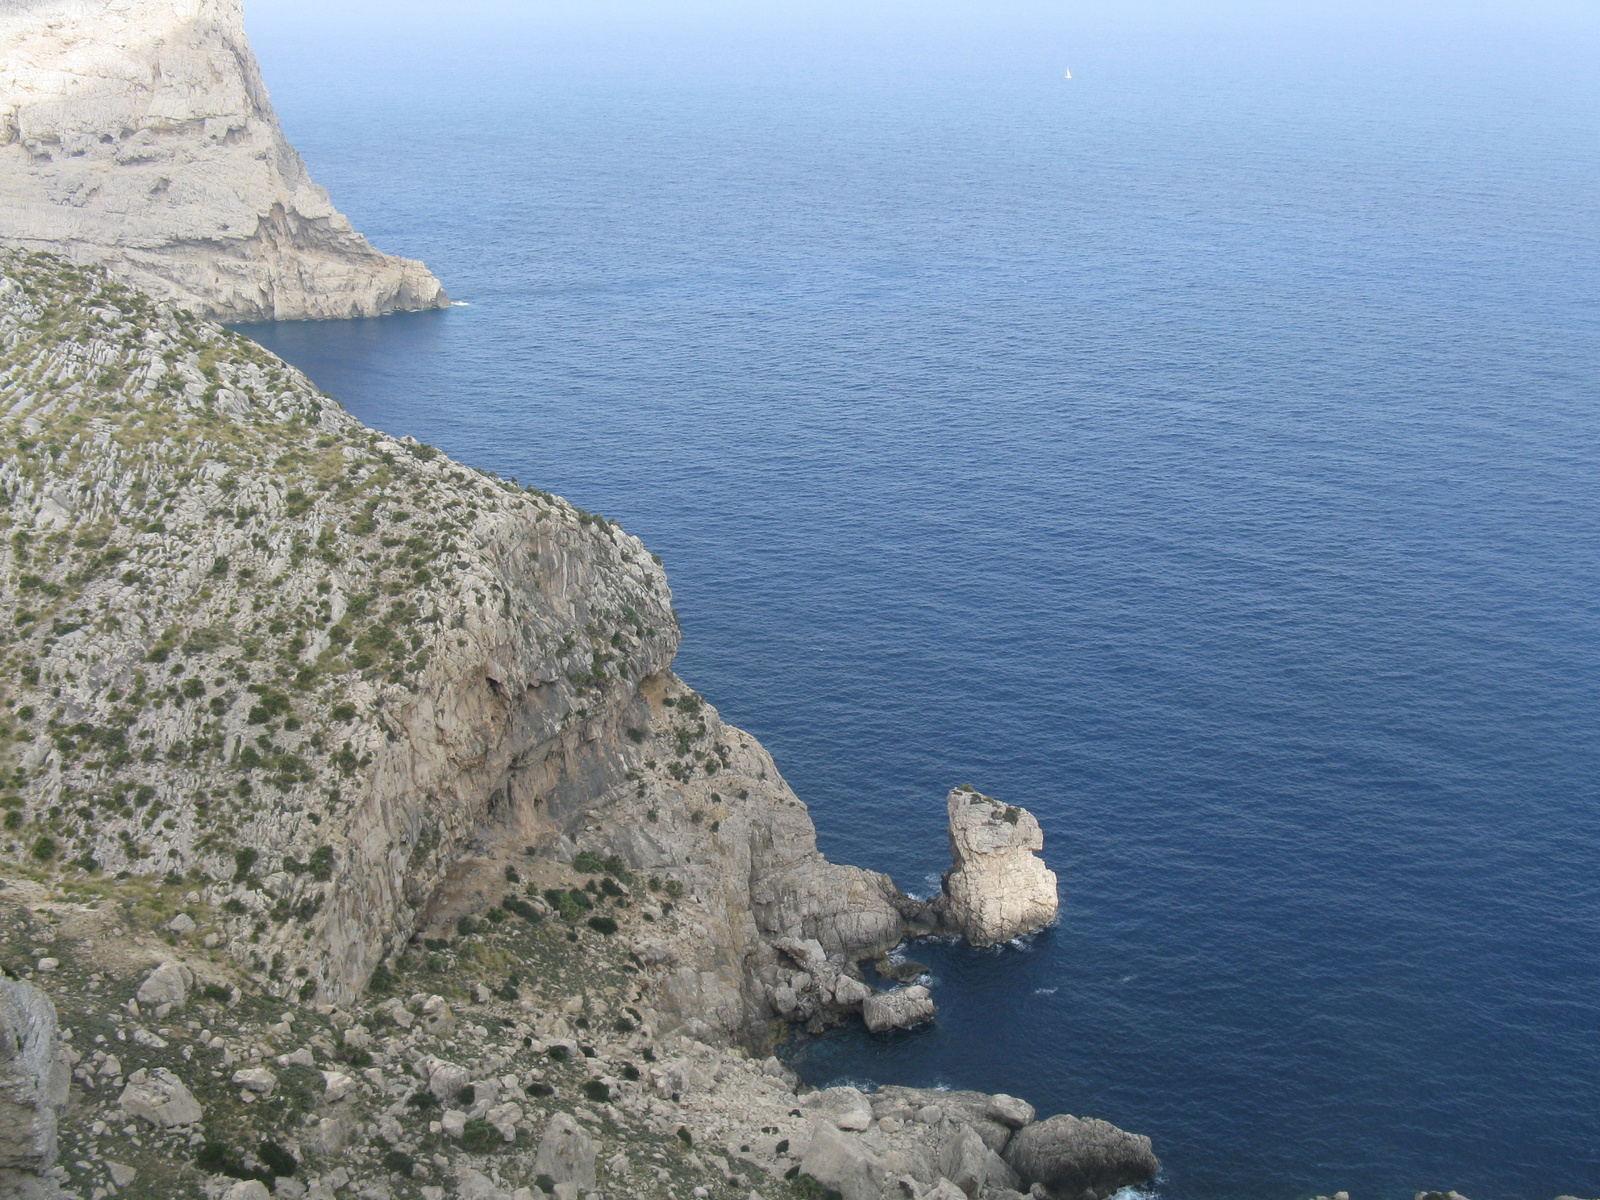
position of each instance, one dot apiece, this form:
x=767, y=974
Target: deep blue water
x=1204, y=453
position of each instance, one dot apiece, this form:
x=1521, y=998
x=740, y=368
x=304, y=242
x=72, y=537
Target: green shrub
x=399, y=1161
x=807, y=1187
x=596, y=1090
x=320, y=864
x=424, y=1100
x=589, y=863
x=243, y=861
x=276, y=1159
x=215, y=991
x=44, y=849
x=480, y=1137
x=603, y=925
x=559, y=1054
x=545, y=1184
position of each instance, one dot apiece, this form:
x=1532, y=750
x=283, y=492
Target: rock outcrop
x=1081, y=1158
x=349, y=682
x=902, y=1008
x=138, y=134
x=34, y=1078
x=997, y=886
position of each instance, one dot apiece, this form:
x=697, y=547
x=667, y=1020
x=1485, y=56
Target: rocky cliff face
x=138, y=134
x=340, y=684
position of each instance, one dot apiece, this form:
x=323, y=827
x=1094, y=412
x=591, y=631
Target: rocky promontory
x=138, y=134
x=363, y=838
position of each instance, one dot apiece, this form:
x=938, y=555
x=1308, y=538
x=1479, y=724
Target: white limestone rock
x=167, y=984
x=997, y=886
x=160, y=1098
x=34, y=1078
x=902, y=1008
x=566, y=1153
x=841, y=1162
x=846, y=1107
x=138, y=134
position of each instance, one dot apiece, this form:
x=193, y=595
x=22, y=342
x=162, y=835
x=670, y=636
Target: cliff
x=343, y=682
x=138, y=134
x=363, y=839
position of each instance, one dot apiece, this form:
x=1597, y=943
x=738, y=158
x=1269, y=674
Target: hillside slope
x=339, y=682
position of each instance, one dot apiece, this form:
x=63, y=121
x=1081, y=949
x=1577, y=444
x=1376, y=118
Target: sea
x=1201, y=451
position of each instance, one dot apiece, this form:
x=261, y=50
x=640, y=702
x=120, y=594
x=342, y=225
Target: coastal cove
x=1202, y=455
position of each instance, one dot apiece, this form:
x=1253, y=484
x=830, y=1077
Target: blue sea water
x=1204, y=453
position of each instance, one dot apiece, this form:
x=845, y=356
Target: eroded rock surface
x=1081, y=1158
x=33, y=1086
x=138, y=134
x=997, y=886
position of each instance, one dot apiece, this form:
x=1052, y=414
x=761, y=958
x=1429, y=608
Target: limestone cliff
x=138, y=134
x=342, y=683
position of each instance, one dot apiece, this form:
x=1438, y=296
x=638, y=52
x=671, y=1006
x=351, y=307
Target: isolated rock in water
x=138, y=135
x=997, y=886
x=899, y=1009
x=33, y=1081
x=840, y=1162
x=161, y=1098
x=566, y=1153
x=167, y=984
x=1081, y=1158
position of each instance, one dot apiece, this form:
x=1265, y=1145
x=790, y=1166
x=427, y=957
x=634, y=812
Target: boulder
x=1009, y=1111
x=997, y=886
x=838, y=1161
x=336, y=1085
x=328, y=1136
x=971, y=1165
x=850, y=993
x=167, y=984
x=161, y=1098
x=247, y=1189
x=256, y=1079
x=566, y=1153
x=445, y=1080
x=899, y=1009
x=505, y=1118
x=846, y=1107
x=1080, y=1158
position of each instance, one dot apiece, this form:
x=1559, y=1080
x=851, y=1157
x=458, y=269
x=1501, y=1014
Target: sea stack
x=997, y=886
x=138, y=135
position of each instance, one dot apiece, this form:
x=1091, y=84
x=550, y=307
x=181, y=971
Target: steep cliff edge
x=138, y=134
x=337, y=681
